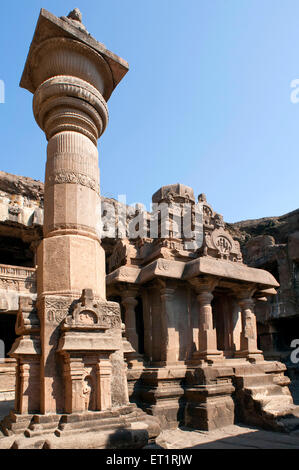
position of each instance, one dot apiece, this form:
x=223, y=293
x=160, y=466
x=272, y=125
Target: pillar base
x=252, y=356
x=125, y=427
x=160, y=393
x=135, y=363
x=209, y=356
x=208, y=394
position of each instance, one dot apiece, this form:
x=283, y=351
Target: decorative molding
x=18, y=279
x=69, y=177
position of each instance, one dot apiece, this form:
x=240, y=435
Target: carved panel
x=56, y=310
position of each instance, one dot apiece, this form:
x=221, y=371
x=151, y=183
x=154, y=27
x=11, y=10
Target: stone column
x=130, y=302
x=27, y=386
x=248, y=340
x=169, y=339
x=73, y=372
x=104, y=385
x=147, y=292
x=72, y=77
x=207, y=337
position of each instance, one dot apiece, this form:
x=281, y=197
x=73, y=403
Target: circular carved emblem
x=224, y=245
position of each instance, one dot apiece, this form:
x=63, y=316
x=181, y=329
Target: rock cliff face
x=278, y=227
x=21, y=186
x=272, y=243
x=21, y=219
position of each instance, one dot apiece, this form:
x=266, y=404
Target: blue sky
x=206, y=102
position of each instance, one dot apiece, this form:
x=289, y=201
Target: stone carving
x=27, y=317
x=122, y=254
x=163, y=265
x=91, y=314
x=224, y=245
x=56, y=310
x=17, y=279
x=74, y=178
x=88, y=392
x=87, y=318
x=218, y=220
x=75, y=19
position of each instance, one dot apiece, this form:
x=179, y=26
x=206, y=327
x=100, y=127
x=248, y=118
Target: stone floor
x=230, y=437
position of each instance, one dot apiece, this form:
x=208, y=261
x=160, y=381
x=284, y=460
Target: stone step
x=277, y=405
x=85, y=421
x=254, y=380
x=97, y=424
x=15, y=424
x=92, y=424
x=261, y=391
x=96, y=427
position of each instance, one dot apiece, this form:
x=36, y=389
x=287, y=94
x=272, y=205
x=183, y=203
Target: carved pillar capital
x=205, y=298
x=167, y=294
x=246, y=303
x=129, y=302
x=205, y=284
x=68, y=103
x=243, y=293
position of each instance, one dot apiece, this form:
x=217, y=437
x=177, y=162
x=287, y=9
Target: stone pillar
x=72, y=77
x=207, y=337
x=104, y=384
x=147, y=296
x=27, y=386
x=169, y=340
x=73, y=372
x=248, y=340
x=130, y=302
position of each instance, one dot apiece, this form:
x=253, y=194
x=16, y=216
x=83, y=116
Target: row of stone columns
x=207, y=334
